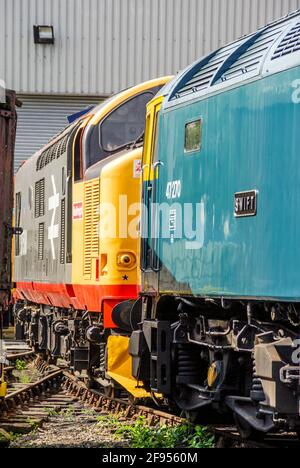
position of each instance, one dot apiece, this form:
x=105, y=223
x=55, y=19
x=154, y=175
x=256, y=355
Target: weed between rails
x=140, y=435
x=20, y=365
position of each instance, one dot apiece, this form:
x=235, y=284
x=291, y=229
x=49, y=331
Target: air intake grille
x=91, y=225
x=201, y=80
x=39, y=199
x=41, y=241
x=251, y=58
x=63, y=231
x=289, y=44
x=238, y=59
x=54, y=152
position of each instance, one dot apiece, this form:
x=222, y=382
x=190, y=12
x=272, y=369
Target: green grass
x=51, y=412
x=24, y=378
x=4, y=436
x=34, y=425
x=20, y=365
x=68, y=413
x=140, y=435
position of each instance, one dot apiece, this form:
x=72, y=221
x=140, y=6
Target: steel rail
x=116, y=406
x=25, y=355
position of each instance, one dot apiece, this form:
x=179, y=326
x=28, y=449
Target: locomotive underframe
x=210, y=357
x=233, y=357
x=77, y=337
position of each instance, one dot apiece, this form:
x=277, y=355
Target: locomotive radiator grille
x=91, y=225
x=41, y=241
x=63, y=231
x=39, y=205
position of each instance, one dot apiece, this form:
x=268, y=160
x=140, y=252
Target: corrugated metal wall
x=42, y=117
x=102, y=46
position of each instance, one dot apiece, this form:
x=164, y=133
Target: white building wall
x=102, y=46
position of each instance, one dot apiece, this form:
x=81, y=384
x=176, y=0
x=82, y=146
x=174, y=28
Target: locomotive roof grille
x=242, y=58
x=53, y=152
x=289, y=44
x=205, y=71
x=249, y=56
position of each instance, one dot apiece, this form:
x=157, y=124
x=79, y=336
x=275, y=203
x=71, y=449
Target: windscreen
x=120, y=128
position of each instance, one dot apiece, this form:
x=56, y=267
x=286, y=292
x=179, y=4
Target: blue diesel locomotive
x=220, y=307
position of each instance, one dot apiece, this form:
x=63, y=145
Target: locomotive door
x=150, y=225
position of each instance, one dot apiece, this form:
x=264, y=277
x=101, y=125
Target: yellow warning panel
x=120, y=364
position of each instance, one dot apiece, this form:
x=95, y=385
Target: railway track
x=116, y=406
x=17, y=351
x=29, y=406
x=24, y=356
x=26, y=405
x=229, y=437
x=226, y=436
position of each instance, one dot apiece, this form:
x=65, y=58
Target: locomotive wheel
x=246, y=431
x=134, y=401
x=42, y=354
x=52, y=360
x=109, y=391
x=90, y=383
x=112, y=392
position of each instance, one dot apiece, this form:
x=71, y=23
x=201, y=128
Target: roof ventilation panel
x=289, y=44
x=247, y=59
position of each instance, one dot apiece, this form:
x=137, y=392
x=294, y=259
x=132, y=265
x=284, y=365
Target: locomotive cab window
x=122, y=127
x=193, y=136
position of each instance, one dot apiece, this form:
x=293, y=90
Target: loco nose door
x=150, y=262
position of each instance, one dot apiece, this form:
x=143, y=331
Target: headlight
x=126, y=260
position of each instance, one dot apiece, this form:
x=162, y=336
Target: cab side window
x=193, y=136
x=77, y=157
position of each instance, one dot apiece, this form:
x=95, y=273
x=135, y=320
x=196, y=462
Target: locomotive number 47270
x=173, y=190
